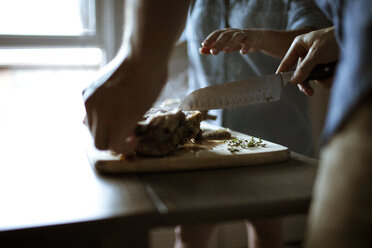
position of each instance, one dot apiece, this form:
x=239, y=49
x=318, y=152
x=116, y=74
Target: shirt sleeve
x=304, y=13
x=353, y=80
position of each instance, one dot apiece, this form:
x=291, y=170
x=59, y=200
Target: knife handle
x=322, y=71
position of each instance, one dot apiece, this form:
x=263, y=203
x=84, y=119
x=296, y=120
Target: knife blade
x=250, y=91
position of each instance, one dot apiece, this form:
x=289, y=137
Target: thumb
x=304, y=67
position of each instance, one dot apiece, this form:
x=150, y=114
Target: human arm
x=269, y=41
x=128, y=86
x=274, y=35
x=307, y=51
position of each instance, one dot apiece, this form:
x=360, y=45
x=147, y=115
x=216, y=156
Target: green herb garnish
x=238, y=144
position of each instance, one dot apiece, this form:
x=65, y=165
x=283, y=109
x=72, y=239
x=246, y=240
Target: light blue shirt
x=287, y=121
x=353, y=82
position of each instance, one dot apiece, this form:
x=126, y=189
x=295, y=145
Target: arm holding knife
x=309, y=48
x=340, y=212
x=265, y=22
x=307, y=51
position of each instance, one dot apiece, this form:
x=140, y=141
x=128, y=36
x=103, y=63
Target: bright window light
x=44, y=17
x=63, y=26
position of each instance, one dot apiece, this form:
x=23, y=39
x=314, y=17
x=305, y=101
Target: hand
x=309, y=50
x=231, y=39
x=129, y=85
x=118, y=99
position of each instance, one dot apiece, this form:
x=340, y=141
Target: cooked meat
x=207, y=116
x=165, y=128
x=172, y=104
x=161, y=133
x=193, y=119
x=220, y=134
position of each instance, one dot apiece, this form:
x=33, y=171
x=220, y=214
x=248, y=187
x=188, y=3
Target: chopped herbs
x=237, y=144
x=233, y=149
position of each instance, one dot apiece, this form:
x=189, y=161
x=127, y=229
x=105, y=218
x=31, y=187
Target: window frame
x=108, y=25
x=37, y=41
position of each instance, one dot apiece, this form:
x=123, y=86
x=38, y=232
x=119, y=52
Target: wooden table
x=227, y=194
x=51, y=196
x=64, y=208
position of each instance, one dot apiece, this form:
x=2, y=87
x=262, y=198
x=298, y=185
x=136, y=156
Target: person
x=287, y=121
x=267, y=29
x=121, y=95
x=340, y=214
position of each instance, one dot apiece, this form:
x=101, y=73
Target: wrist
x=260, y=41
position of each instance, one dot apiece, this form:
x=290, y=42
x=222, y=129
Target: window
x=47, y=17
x=50, y=32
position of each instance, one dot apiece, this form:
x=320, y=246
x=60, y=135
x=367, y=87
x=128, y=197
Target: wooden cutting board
x=215, y=154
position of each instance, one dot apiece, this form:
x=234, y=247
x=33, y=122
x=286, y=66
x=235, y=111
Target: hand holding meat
x=307, y=51
x=131, y=83
x=117, y=100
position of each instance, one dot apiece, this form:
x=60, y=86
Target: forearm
x=130, y=84
x=151, y=27
x=277, y=42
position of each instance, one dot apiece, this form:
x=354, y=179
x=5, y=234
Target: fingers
x=230, y=41
x=208, y=42
x=304, y=68
x=311, y=49
x=122, y=142
x=237, y=41
x=227, y=40
x=305, y=58
x=108, y=135
x=204, y=50
x=295, y=51
x=125, y=146
x=306, y=88
x=98, y=131
x=223, y=42
x=246, y=47
x=85, y=121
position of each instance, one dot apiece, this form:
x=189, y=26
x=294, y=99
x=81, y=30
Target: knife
x=250, y=91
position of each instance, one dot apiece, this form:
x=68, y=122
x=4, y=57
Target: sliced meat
x=165, y=128
x=220, y=134
x=161, y=133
